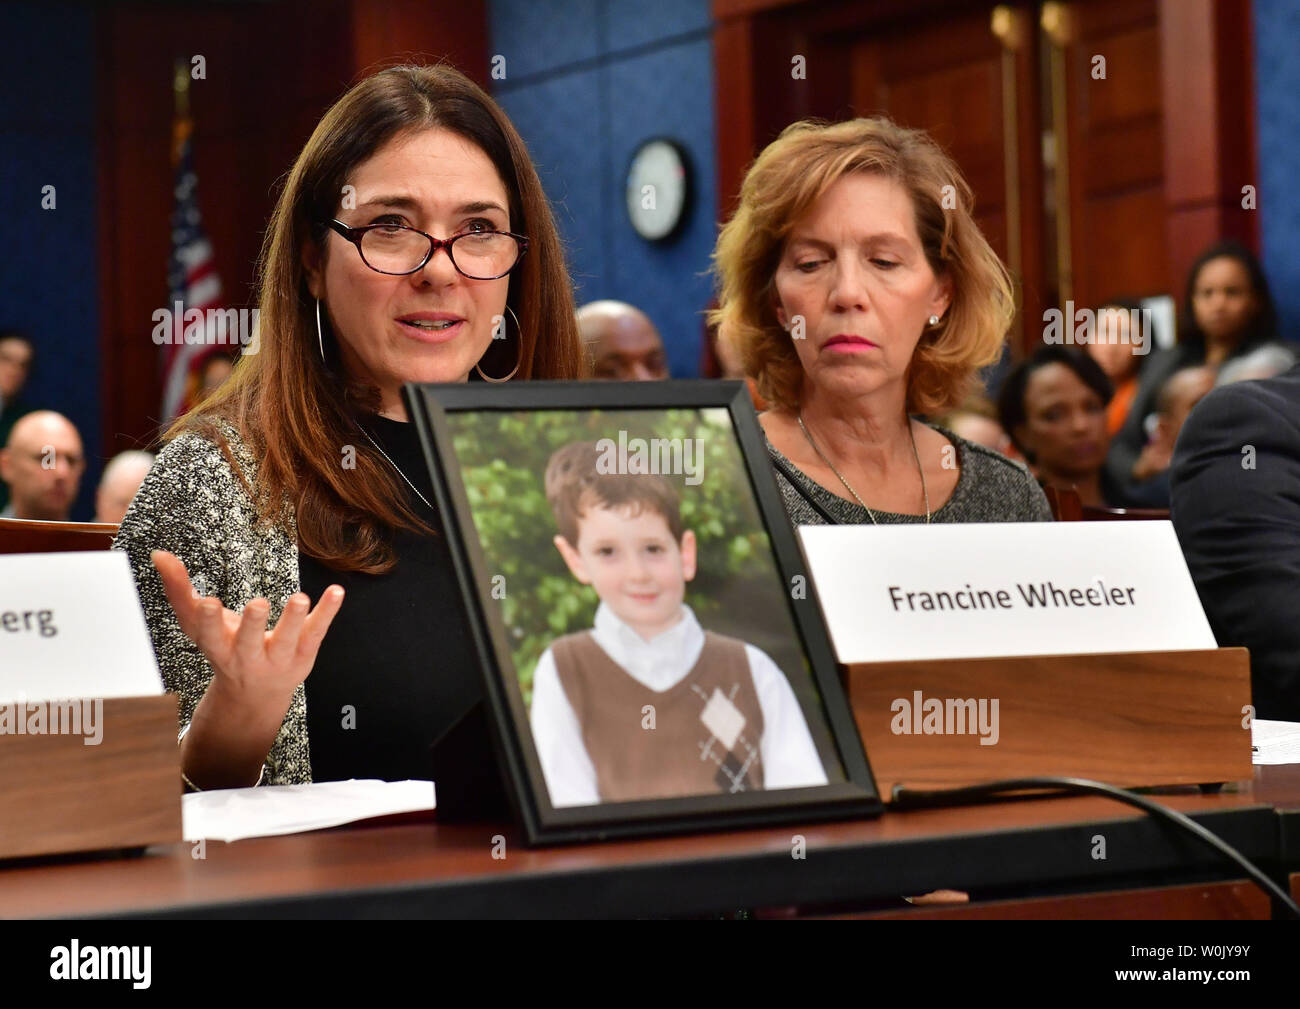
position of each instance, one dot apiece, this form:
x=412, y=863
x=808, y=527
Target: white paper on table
x=1275, y=742
x=232, y=814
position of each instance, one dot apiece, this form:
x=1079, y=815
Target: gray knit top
x=990, y=488
x=192, y=505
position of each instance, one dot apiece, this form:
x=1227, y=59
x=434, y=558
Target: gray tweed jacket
x=192, y=505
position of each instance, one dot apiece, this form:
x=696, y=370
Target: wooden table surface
x=430, y=869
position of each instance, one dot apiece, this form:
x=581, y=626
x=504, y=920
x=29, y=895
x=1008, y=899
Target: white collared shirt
x=789, y=757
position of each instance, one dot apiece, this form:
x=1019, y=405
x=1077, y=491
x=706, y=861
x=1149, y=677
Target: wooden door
x=1104, y=72
x=1106, y=141
x=967, y=72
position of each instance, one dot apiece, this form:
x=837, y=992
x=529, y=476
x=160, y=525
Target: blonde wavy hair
x=787, y=178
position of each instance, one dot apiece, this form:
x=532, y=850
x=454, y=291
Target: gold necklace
x=400, y=472
x=849, y=487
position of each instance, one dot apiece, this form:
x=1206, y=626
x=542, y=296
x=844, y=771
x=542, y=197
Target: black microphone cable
x=903, y=798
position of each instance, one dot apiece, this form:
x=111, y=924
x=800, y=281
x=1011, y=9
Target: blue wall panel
x=537, y=36
x=659, y=93
x=564, y=153
x=1277, y=88
x=634, y=23
x=586, y=82
x=50, y=281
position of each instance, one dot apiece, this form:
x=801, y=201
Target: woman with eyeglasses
x=412, y=243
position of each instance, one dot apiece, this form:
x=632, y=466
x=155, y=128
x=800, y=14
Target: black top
x=396, y=668
x=1236, y=509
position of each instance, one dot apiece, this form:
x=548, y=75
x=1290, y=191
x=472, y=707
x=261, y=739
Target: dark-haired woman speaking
x=411, y=231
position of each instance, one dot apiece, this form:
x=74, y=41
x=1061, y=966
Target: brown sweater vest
x=679, y=756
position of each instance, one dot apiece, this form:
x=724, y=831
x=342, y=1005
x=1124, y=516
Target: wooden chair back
x=1067, y=507
x=30, y=536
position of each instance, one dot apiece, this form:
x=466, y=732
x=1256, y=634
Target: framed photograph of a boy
x=654, y=654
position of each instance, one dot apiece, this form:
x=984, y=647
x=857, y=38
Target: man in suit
x=1235, y=482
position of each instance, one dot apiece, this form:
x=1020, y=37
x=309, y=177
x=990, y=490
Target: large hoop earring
x=518, y=361
x=320, y=340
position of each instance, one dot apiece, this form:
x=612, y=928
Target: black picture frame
x=430, y=407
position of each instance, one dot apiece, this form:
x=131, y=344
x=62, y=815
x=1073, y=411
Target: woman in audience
x=396, y=252
x=1227, y=312
x=1053, y=404
x=1120, y=352
x=858, y=290
x=976, y=419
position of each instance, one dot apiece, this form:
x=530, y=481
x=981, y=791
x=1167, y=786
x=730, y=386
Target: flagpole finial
x=181, y=86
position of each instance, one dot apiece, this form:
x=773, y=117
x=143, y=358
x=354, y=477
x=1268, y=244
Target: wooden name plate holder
x=1131, y=719
x=59, y=795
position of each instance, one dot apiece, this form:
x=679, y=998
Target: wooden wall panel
x=1116, y=155
x=272, y=70
x=391, y=31
x=1117, y=234
x=934, y=64
x=1210, y=143
x=1157, y=152
x=733, y=77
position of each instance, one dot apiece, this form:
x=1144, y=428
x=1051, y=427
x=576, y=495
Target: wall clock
x=658, y=189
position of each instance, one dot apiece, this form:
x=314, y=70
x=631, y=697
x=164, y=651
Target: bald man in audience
x=122, y=478
x=621, y=342
x=1180, y=393
x=42, y=463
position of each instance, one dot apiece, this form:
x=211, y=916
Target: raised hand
x=251, y=661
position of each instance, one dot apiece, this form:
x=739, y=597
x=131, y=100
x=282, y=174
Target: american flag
x=191, y=277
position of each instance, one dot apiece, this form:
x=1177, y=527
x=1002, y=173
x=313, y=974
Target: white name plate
x=71, y=627
x=905, y=592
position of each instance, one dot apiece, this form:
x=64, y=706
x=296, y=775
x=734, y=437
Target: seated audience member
x=1053, y=405
x=621, y=342
x=1267, y=362
x=16, y=354
x=1234, y=481
x=729, y=361
x=215, y=370
x=732, y=367
x=622, y=534
x=122, y=478
x=1121, y=353
x=1227, y=313
x=976, y=420
x=247, y=517
x=857, y=298
x=1149, y=487
x=42, y=463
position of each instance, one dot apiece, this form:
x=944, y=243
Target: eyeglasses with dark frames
x=398, y=250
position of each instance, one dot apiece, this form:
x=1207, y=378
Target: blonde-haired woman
x=859, y=290
x=412, y=243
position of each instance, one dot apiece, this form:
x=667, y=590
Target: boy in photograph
x=647, y=704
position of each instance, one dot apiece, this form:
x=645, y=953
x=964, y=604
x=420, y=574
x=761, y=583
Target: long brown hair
x=786, y=179
x=295, y=411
